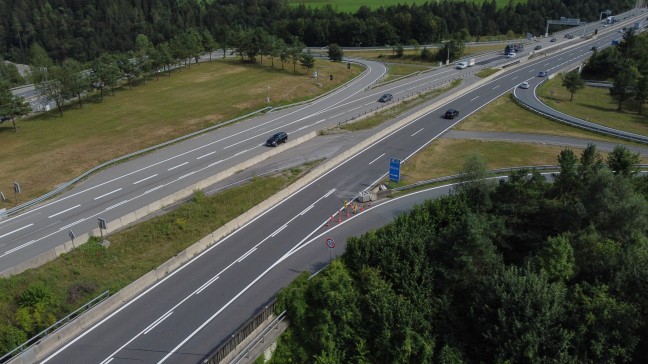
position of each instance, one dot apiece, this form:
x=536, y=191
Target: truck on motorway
x=465, y=63
x=610, y=20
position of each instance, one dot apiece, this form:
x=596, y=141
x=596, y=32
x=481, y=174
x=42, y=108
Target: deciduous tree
x=572, y=82
x=335, y=52
x=624, y=84
x=12, y=106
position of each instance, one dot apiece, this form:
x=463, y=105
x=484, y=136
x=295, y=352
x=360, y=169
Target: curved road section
x=185, y=314
x=529, y=97
x=129, y=191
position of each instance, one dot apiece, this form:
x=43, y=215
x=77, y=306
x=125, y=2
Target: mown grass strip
x=486, y=72
x=49, y=149
x=392, y=112
x=596, y=105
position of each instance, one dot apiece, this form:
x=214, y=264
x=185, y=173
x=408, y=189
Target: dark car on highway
x=451, y=114
x=538, y=47
x=594, y=48
x=542, y=74
x=385, y=98
x=279, y=137
x=553, y=40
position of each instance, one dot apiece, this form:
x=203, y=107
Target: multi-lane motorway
x=131, y=186
x=181, y=318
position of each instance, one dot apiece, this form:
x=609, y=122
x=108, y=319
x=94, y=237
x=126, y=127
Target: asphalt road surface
x=132, y=185
x=181, y=318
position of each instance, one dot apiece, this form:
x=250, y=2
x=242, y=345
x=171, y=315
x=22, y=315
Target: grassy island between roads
x=49, y=149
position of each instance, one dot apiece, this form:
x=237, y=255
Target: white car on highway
x=524, y=85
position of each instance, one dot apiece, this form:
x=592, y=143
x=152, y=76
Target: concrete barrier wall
x=127, y=293
x=129, y=218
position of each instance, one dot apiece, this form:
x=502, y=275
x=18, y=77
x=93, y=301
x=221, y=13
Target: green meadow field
x=353, y=5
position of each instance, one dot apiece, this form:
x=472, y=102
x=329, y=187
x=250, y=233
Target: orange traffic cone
x=339, y=216
x=361, y=208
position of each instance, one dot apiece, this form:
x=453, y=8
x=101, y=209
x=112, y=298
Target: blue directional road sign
x=394, y=169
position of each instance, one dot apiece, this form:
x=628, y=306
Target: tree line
x=67, y=29
x=627, y=65
x=70, y=79
x=521, y=270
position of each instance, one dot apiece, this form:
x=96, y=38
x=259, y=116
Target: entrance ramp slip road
x=240, y=262
x=215, y=238
x=351, y=174
x=531, y=101
x=135, y=188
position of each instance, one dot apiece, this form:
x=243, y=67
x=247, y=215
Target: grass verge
x=392, y=112
x=596, y=105
x=504, y=115
x=486, y=72
x=50, y=149
x=80, y=275
x=445, y=157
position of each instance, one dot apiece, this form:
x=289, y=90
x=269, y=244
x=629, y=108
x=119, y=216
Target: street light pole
x=268, y=97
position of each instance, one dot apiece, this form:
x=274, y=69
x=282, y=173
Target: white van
x=461, y=65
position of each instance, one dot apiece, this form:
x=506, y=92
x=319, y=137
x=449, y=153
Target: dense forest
x=83, y=29
x=517, y=271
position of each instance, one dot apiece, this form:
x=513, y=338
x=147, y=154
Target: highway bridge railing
x=55, y=327
x=228, y=349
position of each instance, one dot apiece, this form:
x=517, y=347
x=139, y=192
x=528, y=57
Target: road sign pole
x=330, y=243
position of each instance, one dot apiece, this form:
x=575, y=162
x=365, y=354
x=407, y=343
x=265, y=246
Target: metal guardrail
x=595, y=128
x=496, y=172
x=65, y=185
x=324, y=94
x=394, y=102
x=601, y=130
x=56, y=326
x=499, y=171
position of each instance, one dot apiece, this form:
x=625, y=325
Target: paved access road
x=183, y=317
